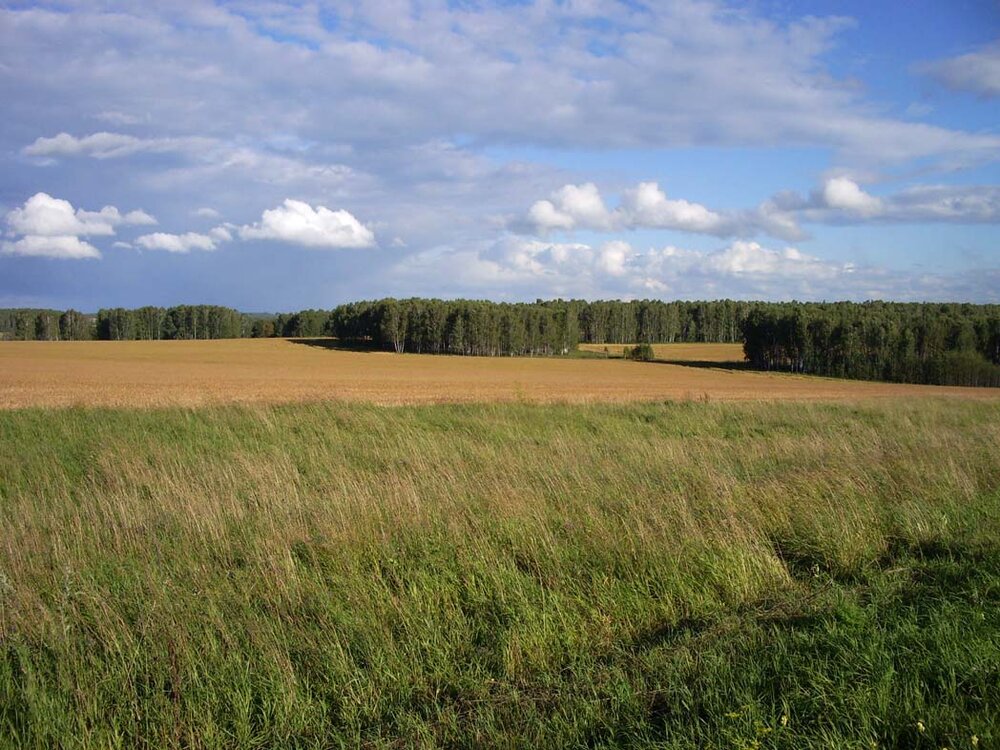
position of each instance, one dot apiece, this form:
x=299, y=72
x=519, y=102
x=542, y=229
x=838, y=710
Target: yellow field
x=192, y=373
x=679, y=352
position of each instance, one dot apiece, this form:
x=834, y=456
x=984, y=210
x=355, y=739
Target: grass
x=502, y=575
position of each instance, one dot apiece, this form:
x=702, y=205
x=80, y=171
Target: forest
x=938, y=344
x=953, y=344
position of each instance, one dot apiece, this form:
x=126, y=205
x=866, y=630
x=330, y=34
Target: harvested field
x=193, y=373
x=678, y=352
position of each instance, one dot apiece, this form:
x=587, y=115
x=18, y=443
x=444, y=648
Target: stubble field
x=197, y=373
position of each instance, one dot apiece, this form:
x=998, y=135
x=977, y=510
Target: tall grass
x=690, y=574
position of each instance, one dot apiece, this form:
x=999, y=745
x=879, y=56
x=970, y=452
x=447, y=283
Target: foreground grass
x=676, y=575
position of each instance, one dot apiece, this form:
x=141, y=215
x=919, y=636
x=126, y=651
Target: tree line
x=180, y=322
x=942, y=344
x=29, y=324
x=905, y=342
x=540, y=327
x=428, y=325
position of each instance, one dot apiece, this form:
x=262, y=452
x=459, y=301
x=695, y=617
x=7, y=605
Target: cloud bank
x=839, y=200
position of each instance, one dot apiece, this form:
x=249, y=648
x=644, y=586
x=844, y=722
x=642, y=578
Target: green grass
x=660, y=575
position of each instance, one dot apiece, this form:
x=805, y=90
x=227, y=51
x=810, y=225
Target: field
x=196, y=373
x=501, y=575
x=678, y=352
x=561, y=558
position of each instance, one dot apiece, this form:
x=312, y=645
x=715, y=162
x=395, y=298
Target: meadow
x=338, y=574
x=198, y=373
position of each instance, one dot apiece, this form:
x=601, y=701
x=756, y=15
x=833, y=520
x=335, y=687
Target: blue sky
x=276, y=156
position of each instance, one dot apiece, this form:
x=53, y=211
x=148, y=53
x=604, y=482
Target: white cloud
x=751, y=259
x=299, y=223
x=139, y=218
x=647, y=205
x=571, y=206
x=617, y=269
x=977, y=72
x=206, y=213
x=843, y=193
x=51, y=246
x=51, y=227
x=221, y=233
x=612, y=257
x=46, y=216
x=176, y=243
x=839, y=200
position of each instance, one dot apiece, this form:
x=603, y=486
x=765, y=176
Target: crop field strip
x=197, y=373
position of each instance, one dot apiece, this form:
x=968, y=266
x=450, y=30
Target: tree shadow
x=705, y=364
x=337, y=344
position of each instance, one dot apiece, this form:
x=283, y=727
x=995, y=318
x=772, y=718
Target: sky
x=273, y=155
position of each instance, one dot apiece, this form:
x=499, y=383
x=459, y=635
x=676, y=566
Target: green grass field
x=685, y=575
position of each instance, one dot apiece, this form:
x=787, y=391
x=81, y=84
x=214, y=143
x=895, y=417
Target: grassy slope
x=685, y=575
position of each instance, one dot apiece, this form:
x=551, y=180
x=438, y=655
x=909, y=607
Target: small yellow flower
x=975, y=741
x=921, y=727
x=784, y=720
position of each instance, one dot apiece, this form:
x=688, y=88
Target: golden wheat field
x=677, y=352
x=193, y=373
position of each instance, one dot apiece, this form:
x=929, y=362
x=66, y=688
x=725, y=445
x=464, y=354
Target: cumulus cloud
x=571, y=206
x=51, y=246
x=644, y=206
x=206, y=213
x=299, y=223
x=842, y=193
x=46, y=216
x=839, y=200
x=977, y=72
x=51, y=227
x=647, y=205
